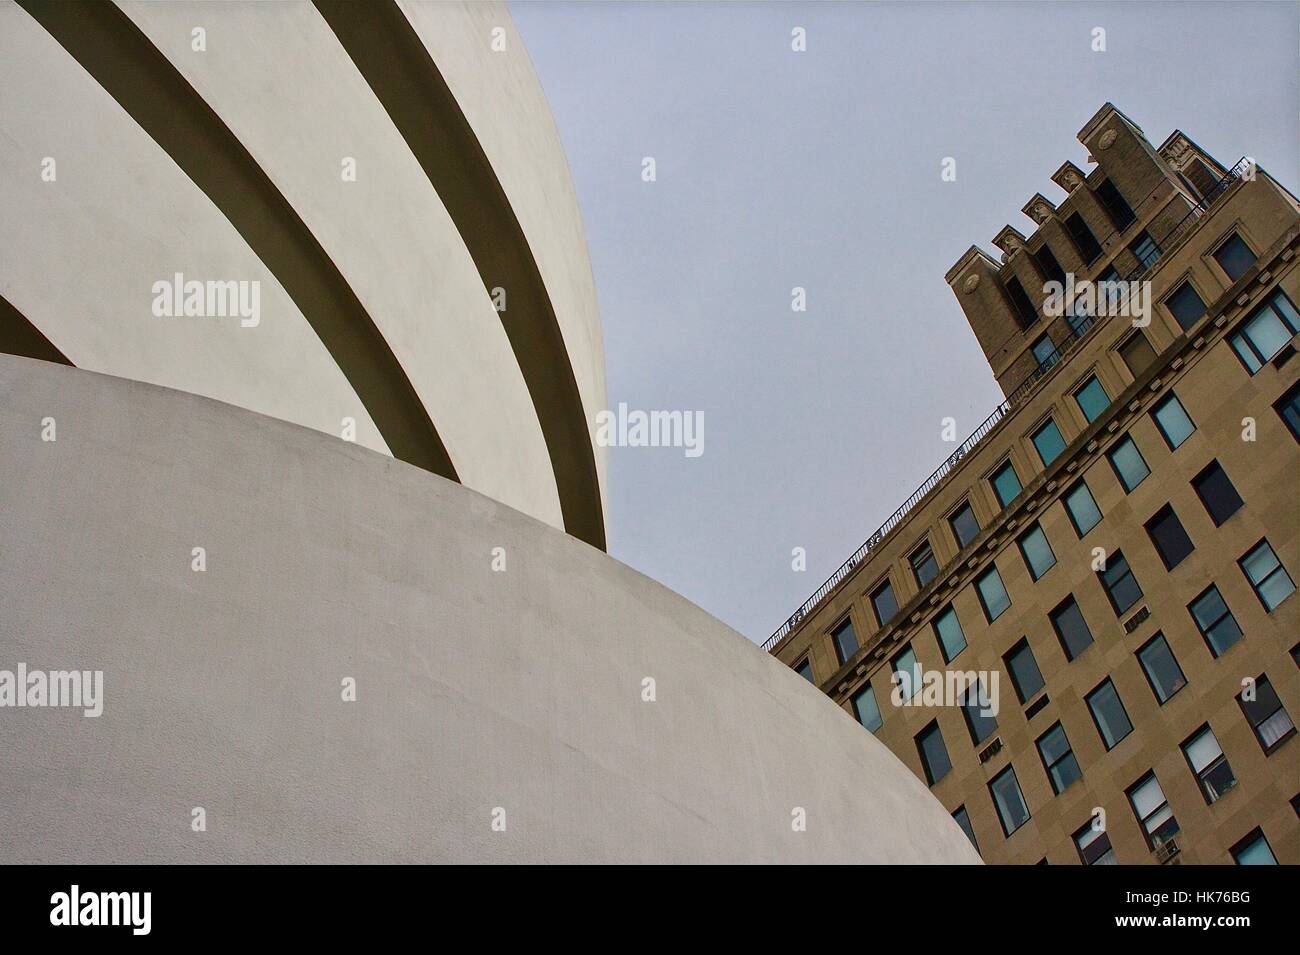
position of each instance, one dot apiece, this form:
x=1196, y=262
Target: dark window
x=1152, y=810
x=884, y=603
x=1036, y=551
x=1209, y=765
x=1234, y=257
x=947, y=630
x=1161, y=668
x=907, y=672
x=1094, y=846
x=1048, y=442
x=1174, y=422
x=934, y=755
x=1058, y=759
x=1006, y=485
x=1083, y=510
x=1267, y=575
x=1217, y=493
x=1092, y=399
x=1121, y=586
x=963, y=819
x=1146, y=251
x=1109, y=714
x=1214, y=620
x=924, y=566
x=1026, y=314
x=1048, y=265
x=1167, y=534
x=846, y=640
x=804, y=669
x=1084, y=241
x=1265, y=332
x=1129, y=465
x=1265, y=714
x=866, y=708
x=1045, y=352
x=1138, y=354
x=1253, y=850
x=964, y=526
x=1185, y=306
x=1023, y=670
x=1071, y=629
x=1010, y=804
x=1117, y=209
x=1288, y=409
x=976, y=707
x=992, y=594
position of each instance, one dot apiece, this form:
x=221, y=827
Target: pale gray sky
x=821, y=169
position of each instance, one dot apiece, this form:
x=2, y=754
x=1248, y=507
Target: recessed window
x=1161, y=668
x=1215, y=620
x=1121, y=586
x=976, y=707
x=1152, y=810
x=1048, y=441
x=907, y=672
x=1267, y=575
x=1084, y=241
x=1094, y=846
x=1173, y=421
x=1117, y=208
x=964, y=526
x=804, y=669
x=1071, y=629
x=1045, y=352
x=1185, y=306
x=1006, y=485
x=1217, y=493
x=1129, y=465
x=1209, y=765
x=845, y=639
x=1170, y=540
x=1264, y=712
x=924, y=567
x=1048, y=266
x=1036, y=551
x=1265, y=332
x=1010, y=804
x=1146, y=251
x=963, y=819
x=1023, y=670
x=1253, y=850
x=1083, y=510
x=866, y=708
x=884, y=603
x=947, y=630
x=1109, y=714
x=1234, y=257
x=934, y=755
x=1092, y=399
x=1058, y=759
x=1026, y=314
x=1138, y=354
x=1288, y=409
x=992, y=594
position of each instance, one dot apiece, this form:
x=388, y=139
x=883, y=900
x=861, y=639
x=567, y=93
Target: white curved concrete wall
x=476, y=689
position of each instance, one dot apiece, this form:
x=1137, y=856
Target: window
x=1092, y=399
x=1267, y=575
x=1006, y=485
x=1138, y=354
x=1010, y=804
x=1083, y=510
x=1209, y=765
x=1094, y=846
x=1084, y=241
x=1048, y=266
x=934, y=755
x=1121, y=586
x=1036, y=551
x=1128, y=463
x=1117, y=209
x=1045, y=352
x=1145, y=249
x=1049, y=442
x=1161, y=668
x=1071, y=629
x=907, y=672
x=976, y=707
x=884, y=603
x=846, y=640
x=866, y=709
x=1288, y=409
x=947, y=630
x=1152, y=810
x=1215, y=620
x=1023, y=670
x=992, y=594
x=1253, y=850
x=924, y=567
x=1265, y=713
x=1173, y=421
x=1109, y=714
x=1026, y=314
x=1167, y=534
x=964, y=526
x=1185, y=306
x=804, y=669
x=1265, y=332
x=963, y=819
x=1058, y=759
x=1234, y=257
x=1217, y=493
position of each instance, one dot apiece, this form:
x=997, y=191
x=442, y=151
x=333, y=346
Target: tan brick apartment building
x=1117, y=543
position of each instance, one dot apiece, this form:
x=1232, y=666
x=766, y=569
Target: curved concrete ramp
x=511, y=696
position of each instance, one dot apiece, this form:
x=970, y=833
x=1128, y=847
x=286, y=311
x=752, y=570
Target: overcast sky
x=821, y=169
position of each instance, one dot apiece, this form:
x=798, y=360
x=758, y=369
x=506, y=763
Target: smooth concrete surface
x=476, y=690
